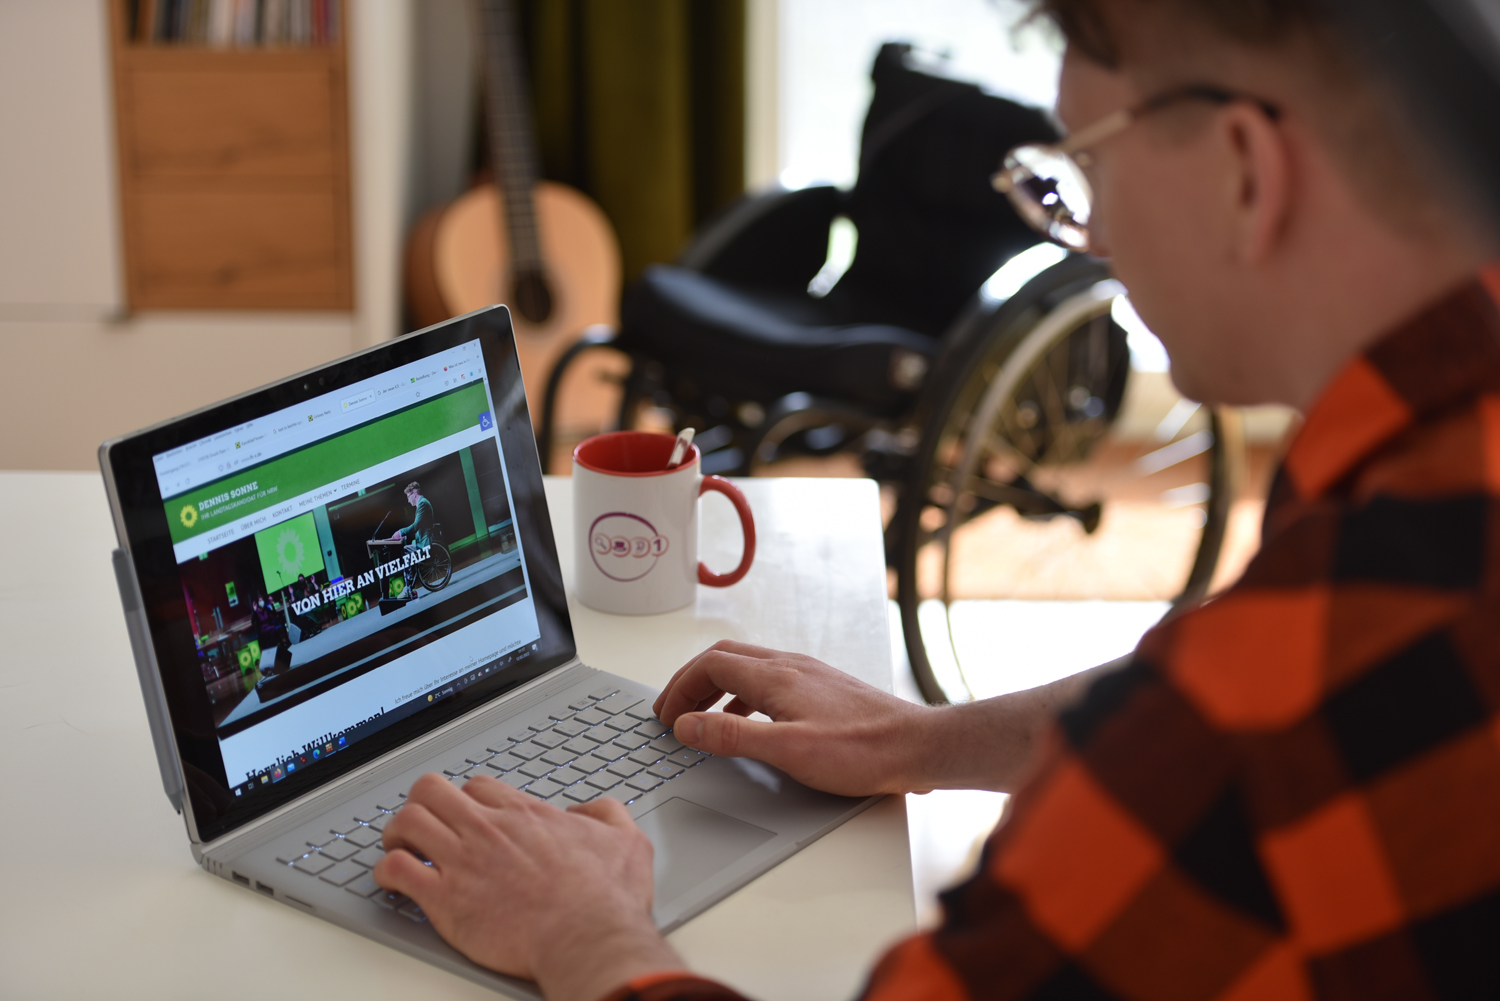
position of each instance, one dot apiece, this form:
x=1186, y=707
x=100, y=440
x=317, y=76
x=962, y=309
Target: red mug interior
x=631, y=453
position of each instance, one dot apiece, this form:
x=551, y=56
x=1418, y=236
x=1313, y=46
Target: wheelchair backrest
x=931, y=228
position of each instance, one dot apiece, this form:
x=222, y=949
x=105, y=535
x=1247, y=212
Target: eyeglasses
x=1046, y=182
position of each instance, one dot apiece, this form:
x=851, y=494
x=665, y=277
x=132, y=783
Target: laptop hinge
x=145, y=669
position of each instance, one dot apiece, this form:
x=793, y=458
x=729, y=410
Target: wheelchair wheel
x=437, y=569
x=1026, y=472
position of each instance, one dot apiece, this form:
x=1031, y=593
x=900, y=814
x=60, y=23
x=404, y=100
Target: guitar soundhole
x=532, y=296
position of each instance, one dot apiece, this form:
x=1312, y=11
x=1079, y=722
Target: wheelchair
x=980, y=374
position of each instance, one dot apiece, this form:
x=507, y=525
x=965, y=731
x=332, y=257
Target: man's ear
x=1262, y=182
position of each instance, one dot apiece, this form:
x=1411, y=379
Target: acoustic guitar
x=542, y=248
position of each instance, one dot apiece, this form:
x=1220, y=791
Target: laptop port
x=242, y=880
x=263, y=888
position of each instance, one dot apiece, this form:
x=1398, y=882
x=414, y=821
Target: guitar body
x=458, y=259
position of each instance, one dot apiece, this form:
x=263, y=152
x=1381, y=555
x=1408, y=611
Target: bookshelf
x=232, y=124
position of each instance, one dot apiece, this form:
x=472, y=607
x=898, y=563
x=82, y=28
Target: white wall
x=74, y=368
x=59, y=242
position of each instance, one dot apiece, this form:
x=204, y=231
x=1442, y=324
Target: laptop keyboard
x=606, y=744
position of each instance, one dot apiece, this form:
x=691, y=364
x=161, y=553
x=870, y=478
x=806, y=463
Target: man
x=418, y=534
x=1291, y=792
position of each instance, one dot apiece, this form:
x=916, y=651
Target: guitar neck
x=509, y=119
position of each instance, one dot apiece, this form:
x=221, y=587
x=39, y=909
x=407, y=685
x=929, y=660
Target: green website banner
x=288, y=550
x=247, y=491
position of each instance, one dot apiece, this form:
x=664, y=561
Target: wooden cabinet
x=234, y=174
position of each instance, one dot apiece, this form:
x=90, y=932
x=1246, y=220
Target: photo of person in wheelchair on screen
x=416, y=536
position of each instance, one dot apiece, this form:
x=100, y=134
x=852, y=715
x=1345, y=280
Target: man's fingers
x=737, y=707
x=608, y=811
x=401, y=872
x=711, y=674
x=491, y=792
x=416, y=828
x=735, y=736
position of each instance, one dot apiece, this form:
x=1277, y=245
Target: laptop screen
x=332, y=554
x=346, y=570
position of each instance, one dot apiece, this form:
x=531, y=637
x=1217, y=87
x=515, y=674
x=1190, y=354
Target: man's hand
x=523, y=888
x=829, y=730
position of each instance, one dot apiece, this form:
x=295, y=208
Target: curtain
x=640, y=105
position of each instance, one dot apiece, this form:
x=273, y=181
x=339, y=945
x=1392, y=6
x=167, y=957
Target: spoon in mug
x=684, y=439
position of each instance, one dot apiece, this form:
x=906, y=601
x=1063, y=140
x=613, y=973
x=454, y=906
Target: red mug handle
x=747, y=523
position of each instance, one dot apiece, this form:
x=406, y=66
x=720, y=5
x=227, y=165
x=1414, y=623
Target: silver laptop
x=306, y=649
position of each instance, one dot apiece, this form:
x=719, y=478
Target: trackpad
x=693, y=842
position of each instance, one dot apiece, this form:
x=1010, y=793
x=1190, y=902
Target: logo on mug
x=625, y=547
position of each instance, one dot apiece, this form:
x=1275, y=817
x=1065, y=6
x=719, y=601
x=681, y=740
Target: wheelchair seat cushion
x=760, y=345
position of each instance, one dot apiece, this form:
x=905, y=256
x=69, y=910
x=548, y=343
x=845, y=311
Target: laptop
x=303, y=661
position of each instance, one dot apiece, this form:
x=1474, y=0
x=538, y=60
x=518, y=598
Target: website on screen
x=347, y=562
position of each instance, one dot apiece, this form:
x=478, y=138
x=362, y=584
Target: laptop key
x=579, y=745
x=313, y=864
x=480, y=757
x=588, y=764
x=667, y=744
x=580, y=793
x=625, y=769
x=603, y=693
x=540, y=725
x=515, y=779
x=567, y=776
x=344, y=872
x=580, y=705
x=412, y=911
x=665, y=770
x=591, y=717
x=528, y=751
x=623, y=793
x=617, y=704
x=621, y=723
x=652, y=728
x=364, y=837
x=631, y=741
x=571, y=728
x=535, y=769
x=544, y=789
x=457, y=769
x=389, y=899
x=641, y=711
x=600, y=734
x=345, y=828
x=561, y=714
x=646, y=756
x=603, y=781
x=319, y=840
x=389, y=806
x=687, y=757
x=645, y=783
x=610, y=752
x=369, y=815
x=339, y=850
x=379, y=822
x=365, y=886
x=559, y=756
x=290, y=857
x=548, y=740
x=519, y=737
x=368, y=857
x=503, y=763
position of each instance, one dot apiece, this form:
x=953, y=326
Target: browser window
x=347, y=562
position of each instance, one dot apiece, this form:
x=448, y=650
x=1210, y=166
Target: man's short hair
x=413, y=485
x=1369, y=137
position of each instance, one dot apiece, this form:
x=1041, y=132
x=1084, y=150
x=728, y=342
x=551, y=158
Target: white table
x=99, y=896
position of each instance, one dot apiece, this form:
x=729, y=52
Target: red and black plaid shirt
x=1293, y=791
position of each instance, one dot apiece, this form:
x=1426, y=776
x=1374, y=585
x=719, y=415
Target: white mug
x=635, y=524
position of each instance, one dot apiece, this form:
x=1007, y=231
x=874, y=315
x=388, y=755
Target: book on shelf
x=233, y=23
